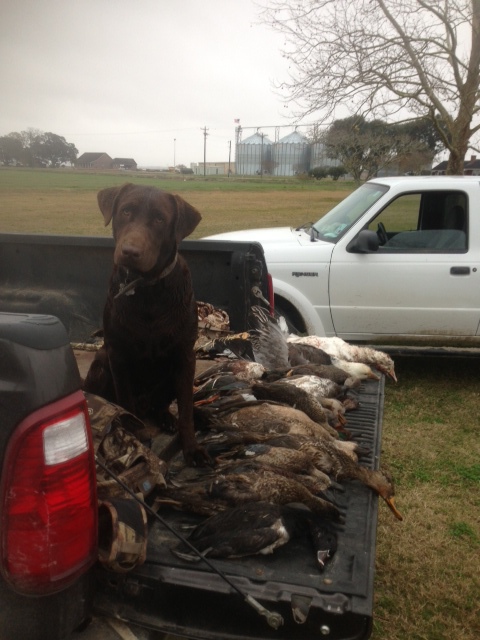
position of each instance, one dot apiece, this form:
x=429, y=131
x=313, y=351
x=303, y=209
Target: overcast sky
x=128, y=77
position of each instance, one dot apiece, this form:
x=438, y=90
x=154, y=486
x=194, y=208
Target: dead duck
x=295, y=397
x=338, y=348
x=277, y=458
x=267, y=417
x=262, y=483
x=356, y=369
x=272, y=420
x=258, y=528
x=341, y=466
x=246, y=483
x=335, y=407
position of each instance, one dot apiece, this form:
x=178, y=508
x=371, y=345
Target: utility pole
x=261, y=156
x=174, y=162
x=229, y=155
x=205, y=134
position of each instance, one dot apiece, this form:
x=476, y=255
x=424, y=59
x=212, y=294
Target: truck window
x=429, y=222
x=334, y=224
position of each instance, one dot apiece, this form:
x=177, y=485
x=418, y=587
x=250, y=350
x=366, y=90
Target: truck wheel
x=292, y=317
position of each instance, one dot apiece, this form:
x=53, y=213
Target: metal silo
x=254, y=155
x=291, y=155
x=319, y=157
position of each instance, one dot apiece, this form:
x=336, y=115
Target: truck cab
x=396, y=262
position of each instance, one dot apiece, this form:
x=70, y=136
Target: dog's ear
x=106, y=200
x=188, y=218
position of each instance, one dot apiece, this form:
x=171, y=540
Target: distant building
x=470, y=167
x=94, y=161
x=124, y=163
x=212, y=168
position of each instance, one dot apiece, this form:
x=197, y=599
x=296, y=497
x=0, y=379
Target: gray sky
x=127, y=77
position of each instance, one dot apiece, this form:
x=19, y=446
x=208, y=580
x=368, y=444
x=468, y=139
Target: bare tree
x=379, y=58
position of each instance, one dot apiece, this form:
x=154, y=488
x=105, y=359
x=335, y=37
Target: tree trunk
x=455, y=164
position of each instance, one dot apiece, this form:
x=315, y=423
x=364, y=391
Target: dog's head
x=147, y=223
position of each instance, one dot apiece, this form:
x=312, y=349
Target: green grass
x=53, y=201
x=66, y=179
x=428, y=566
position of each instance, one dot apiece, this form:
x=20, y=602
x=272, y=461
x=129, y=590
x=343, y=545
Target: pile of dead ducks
x=271, y=409
x=272, y=412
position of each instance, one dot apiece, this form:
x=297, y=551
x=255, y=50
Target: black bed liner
x=178, y=597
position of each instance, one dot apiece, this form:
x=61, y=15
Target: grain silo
x=254, y=155
x=291, y=155
x=319, y=157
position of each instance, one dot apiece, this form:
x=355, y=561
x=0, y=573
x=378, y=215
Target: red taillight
x=271, y=295
x=49, y=503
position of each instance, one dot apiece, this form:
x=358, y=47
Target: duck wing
x=269, y=341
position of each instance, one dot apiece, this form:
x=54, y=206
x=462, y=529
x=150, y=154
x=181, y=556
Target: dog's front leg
x=120, y=376
x=193, y=453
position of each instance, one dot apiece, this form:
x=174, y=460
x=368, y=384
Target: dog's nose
x=130, y=252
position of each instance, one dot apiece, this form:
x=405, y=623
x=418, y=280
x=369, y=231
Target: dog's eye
x=126, y=211
x=158, y=219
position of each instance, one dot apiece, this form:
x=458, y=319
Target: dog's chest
x=150, y=331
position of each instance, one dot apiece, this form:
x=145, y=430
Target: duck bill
x=373, y=376
x=393, y=508
x=390, y=373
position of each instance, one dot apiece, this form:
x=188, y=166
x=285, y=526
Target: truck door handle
x=459, y=271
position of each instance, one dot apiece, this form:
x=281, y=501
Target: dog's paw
x=197, y=456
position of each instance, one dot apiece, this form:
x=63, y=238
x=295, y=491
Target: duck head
x=324, y=541
x=383, y=485
x=386, y=365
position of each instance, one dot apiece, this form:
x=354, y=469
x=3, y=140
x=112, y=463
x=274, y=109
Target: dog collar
x=169, y=269
x=129, y=289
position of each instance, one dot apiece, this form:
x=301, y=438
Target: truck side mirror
x=366, y=242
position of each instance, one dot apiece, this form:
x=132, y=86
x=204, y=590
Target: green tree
x=318, y=173
x=11, y=149
x=336, y=172
x=34, y=147
x=379, y=58
x=52, y=149
x=363, y=147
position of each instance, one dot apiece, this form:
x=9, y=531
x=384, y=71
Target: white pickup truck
x=396, y=262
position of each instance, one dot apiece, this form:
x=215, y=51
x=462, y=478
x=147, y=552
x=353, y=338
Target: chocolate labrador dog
x=150, y=316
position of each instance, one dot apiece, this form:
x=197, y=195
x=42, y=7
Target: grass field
x=65, y=201
x=428, y=566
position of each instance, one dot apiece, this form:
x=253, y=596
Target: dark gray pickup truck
x=52, y=291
